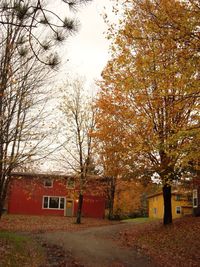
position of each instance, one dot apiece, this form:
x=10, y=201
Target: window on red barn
x=45, y=202
x=70, y=183
x=48, y=183
x=54, y=203
x=51, y=202
x=62, y=203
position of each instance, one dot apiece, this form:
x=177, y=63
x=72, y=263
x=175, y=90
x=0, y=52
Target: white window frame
x=178, y=207
x=59, y=201
x=67, y=183
x=48, y=186
x=195, y=196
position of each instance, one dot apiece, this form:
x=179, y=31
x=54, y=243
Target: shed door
x=69, y=207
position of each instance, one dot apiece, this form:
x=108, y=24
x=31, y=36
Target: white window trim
x=59, y=197
x=50, y=185
x=195, y=192
x=176, y=209
x=70, y=187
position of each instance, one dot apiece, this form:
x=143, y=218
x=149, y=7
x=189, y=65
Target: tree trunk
x=111, y=201
x=1, y=211
x=79, y=212
x=110, y=212
x=1, y=207
x=167, y=219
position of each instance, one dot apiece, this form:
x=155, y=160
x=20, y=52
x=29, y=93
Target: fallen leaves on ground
x=25, y=250
x=40, y=224
x=16, y=250
x=170, y=246
x=57, y=257
x=16, y=225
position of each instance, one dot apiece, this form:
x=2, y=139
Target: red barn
x=42, y=194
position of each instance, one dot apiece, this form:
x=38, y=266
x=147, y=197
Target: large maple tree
x=150, y=89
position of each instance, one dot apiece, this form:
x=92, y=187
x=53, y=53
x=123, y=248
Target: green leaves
x=21, y=10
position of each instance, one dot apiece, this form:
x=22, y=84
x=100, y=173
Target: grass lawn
x=16, y=250
x=176, y=245
x=139, y=220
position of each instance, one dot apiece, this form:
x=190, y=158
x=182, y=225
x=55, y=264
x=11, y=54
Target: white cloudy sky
x=87, y=51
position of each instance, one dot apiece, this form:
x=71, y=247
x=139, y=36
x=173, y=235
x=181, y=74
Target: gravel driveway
x=95, y=247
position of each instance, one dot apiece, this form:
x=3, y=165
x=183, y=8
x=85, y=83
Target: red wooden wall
x=26, y=197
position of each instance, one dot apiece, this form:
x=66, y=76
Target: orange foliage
x=148, y=106
x=148, y=119
x=130, y=198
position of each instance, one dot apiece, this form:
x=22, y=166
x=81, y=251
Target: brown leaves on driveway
x=12, y=254
x=40, y=224
x=170, y=246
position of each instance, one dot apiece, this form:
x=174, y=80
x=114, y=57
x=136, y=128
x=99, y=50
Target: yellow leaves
x=128, y=197
x=148, y=99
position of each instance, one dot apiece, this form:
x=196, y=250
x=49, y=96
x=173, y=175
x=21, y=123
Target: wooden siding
x=27, y=192
x=156, y=206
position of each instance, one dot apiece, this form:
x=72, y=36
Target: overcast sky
x=87, y=51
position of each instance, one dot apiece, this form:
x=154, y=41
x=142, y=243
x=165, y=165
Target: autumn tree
x=109, y=160
x=30, y=32
x=155, y=71
x=131, y=198
x=23, y=131
x=78, y=123
x=114, y=142
x=107, y=146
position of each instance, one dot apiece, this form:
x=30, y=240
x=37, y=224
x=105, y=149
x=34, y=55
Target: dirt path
x=95, y=247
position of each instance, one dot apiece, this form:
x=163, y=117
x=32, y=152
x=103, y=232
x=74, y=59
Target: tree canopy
x=152, y=83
